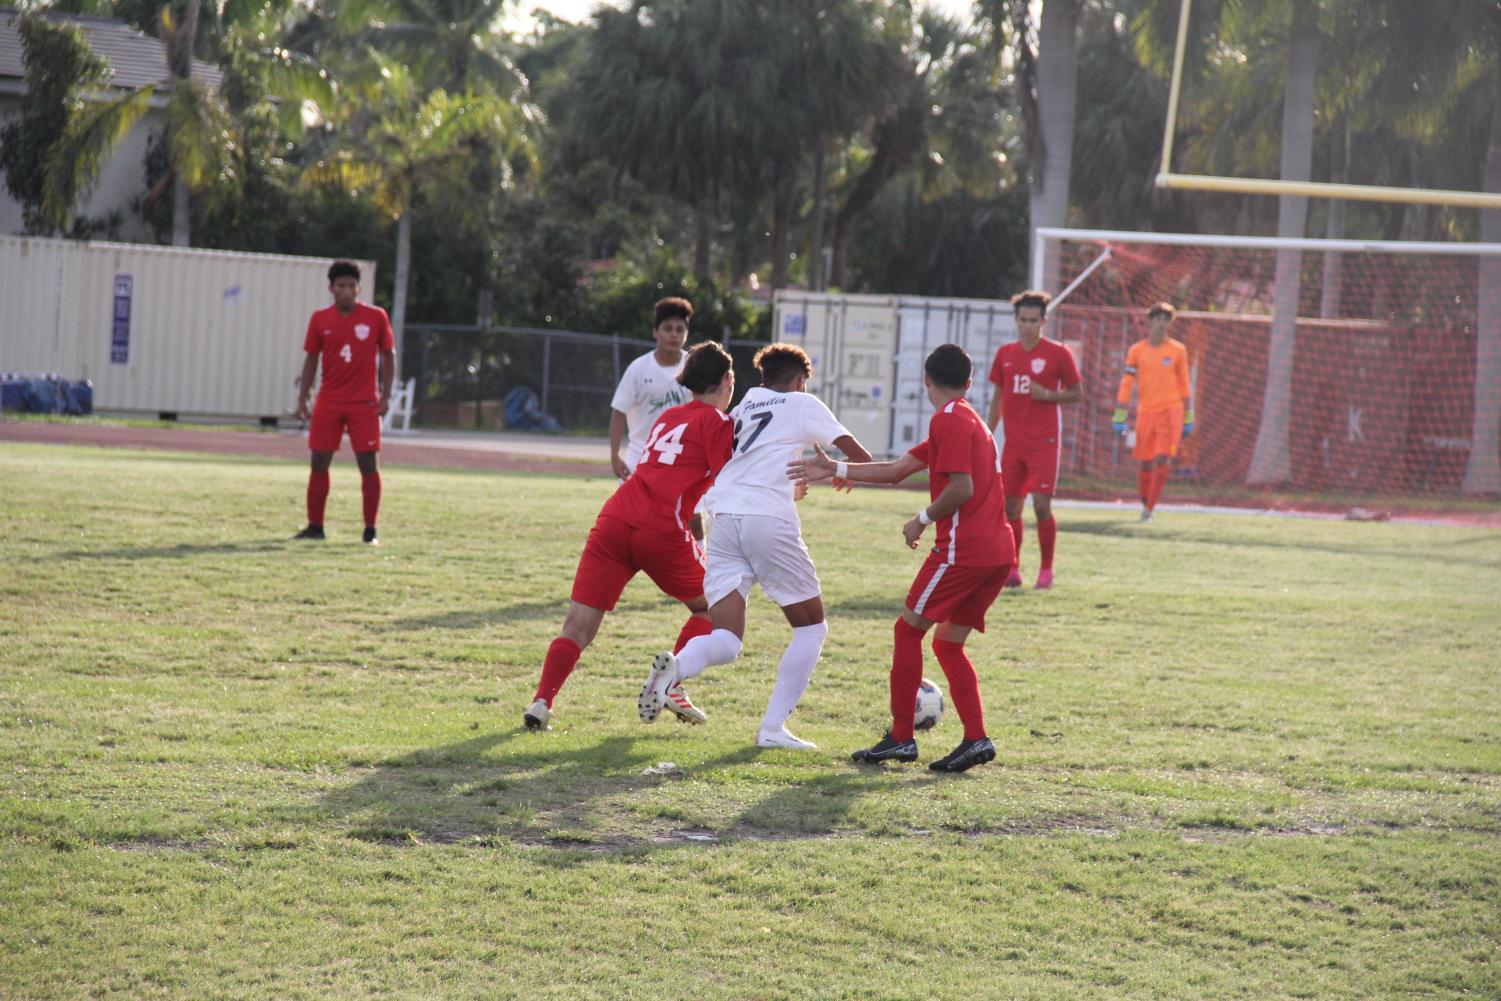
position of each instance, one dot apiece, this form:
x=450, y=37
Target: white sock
x=719, y=647
x=794, y=673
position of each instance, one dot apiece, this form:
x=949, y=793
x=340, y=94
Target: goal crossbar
x=1166, y=178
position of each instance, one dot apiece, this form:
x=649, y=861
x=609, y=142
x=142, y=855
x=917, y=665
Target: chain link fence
x=465, y=375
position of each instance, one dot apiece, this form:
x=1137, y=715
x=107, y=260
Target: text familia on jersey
x=1050, y=365
x=958, y=441
x=771, y=430
x=349, y=344
x=687, y=447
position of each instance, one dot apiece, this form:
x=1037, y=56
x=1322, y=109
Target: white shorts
x=748, y=549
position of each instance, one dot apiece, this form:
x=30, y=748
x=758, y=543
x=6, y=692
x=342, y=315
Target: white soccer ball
x=929, y=706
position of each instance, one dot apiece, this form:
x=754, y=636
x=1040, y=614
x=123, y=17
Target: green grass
x=1240, y=757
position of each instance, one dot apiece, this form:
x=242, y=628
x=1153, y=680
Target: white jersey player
x=649, y=385
x=757, y=538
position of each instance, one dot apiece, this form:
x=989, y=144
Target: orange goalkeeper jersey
x=1161, y=374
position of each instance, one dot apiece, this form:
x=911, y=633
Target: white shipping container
x=162, y=329
x=877, y=344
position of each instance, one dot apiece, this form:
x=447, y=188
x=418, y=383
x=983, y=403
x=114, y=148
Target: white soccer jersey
x=771, y=429
x=646, y=389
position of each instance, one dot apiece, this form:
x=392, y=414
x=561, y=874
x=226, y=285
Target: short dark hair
x=343, y=269
x=1162, y=309
x=781, y=361
x=949, y=366
x=1031, y=297
x=705, y=368
x=672, y=306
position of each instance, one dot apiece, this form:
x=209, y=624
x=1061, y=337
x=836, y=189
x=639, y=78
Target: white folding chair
x=401, y=407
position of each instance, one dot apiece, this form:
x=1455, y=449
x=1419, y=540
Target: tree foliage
x=60, y=70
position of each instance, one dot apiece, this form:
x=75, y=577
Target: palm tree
x=943, y=122
x=1239, y=28
x=1458, y=55
x=1271, y=459
x=392, y=136
x=676, y=94
x=201, y=134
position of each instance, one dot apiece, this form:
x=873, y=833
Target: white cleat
x=780, y=737
x=537, y=716
x=682, y=707
x=1146, y=514
x=664, y=672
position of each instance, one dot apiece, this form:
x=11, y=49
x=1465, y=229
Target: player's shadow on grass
x=819, y=806
x=480, y=618
x=177, y=552
x=456, y=792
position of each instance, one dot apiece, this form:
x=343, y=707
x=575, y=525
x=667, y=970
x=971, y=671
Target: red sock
x=370, y=491
x=1016, y=533
x=1159, y=480
x=1144, y=486
x=1047, y=536
x=562, y=655
x=695, y=626
x=317, y=496
x=964, y=686
x=906, y=676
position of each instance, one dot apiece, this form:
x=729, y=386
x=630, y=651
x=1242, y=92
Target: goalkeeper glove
x=1188, y=422
x=1118, y=421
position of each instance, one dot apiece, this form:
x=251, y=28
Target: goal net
x=1326, y=374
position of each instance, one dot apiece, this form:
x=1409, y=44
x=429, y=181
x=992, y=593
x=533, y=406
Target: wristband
x=842, y=470
x=1188, y=416
x=922, y=517
x=1119, y=416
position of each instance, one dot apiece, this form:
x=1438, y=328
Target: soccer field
x=1240, y=756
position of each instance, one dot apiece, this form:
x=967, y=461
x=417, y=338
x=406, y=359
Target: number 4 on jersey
x=667, y=446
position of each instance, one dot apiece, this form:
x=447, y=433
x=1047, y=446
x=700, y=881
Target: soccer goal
x=1326, y=373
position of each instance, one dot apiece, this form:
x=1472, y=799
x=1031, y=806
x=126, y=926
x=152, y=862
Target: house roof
x=135, y=59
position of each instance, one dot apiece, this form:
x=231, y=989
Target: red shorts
x=330, y=420
x=616, y=551
x=943, y=592
x=1030, y=469
x=1158, y=432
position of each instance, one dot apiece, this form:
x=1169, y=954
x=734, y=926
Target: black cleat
x=369, y=537
x=967, y=755
x=311, y=532
x=887, y=750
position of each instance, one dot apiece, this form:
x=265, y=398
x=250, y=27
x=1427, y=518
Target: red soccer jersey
x=958, y=441
x=687, y=447
x=1028, y=421
x=349, y=346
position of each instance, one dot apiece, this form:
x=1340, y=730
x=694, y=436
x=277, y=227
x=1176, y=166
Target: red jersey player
x=1032, y=376
x=349, y=337
x=645, y=526
x=965, y=569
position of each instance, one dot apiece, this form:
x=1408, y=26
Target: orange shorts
x=1158, y=432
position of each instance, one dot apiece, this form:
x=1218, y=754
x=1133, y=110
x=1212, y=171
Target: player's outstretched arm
x=853, y=451
x=820, y=467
